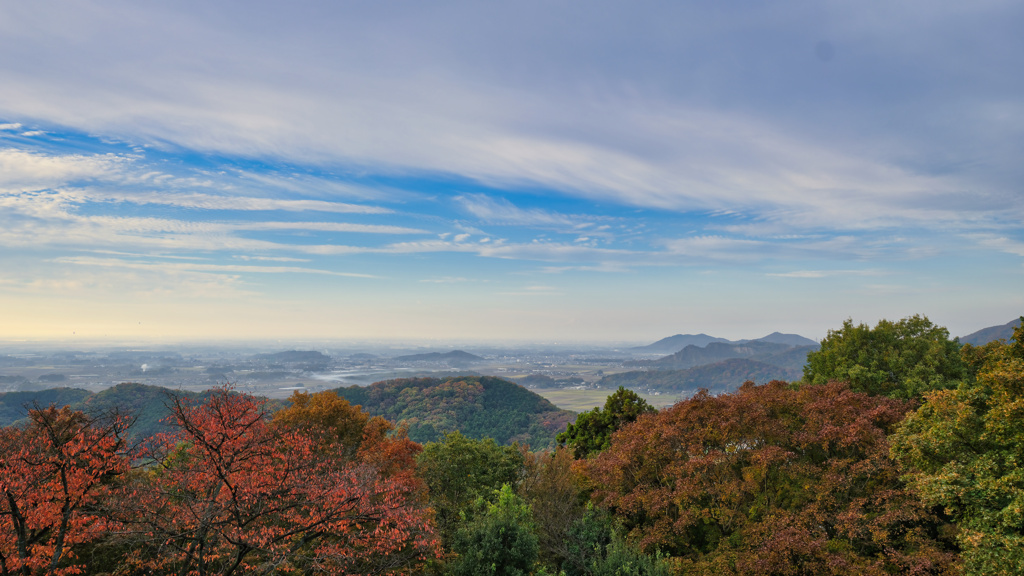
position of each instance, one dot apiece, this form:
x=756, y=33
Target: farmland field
x=583, y=400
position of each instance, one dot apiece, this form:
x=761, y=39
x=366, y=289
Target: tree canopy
x=499, y=539
x=900, y=359
x=231, y=494
x=771, y=480
x=458, y=470
x=592, y=430
x=53, y=474
x=963, y=450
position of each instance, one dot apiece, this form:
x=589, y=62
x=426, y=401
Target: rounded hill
x=476, y=406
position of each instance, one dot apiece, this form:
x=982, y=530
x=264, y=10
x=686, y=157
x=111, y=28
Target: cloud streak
x=198, y=267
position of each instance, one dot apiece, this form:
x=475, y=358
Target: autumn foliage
x=897, y=471
x=53, y=474
x=230, y=493
x=772, y=480
x=962, y=450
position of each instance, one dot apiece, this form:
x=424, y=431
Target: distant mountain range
x=990, y=334
x=715, y=363
x=679, y=341
x=724, y=376
x=782, y=355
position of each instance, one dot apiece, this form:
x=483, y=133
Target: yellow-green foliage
x=964, y=449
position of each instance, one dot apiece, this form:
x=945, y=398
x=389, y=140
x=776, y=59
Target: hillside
x=14, y=405
x=477, y=406
x=147, y=404
x=724, y=376
x=295, y=357
x=990, y=334
x=453, y=357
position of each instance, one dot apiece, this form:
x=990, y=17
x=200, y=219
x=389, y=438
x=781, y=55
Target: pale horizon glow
x=466, y=172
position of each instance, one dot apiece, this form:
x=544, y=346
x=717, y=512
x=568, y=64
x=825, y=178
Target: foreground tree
x=498, y=538
x=897, y=359
x=553, y=488
x=963, y=450
x=771, y=480
x=53, y=472
x=459, y=470
x=592, y=430
x=231, y=494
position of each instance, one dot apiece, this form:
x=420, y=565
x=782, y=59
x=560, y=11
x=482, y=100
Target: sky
x=483, y=171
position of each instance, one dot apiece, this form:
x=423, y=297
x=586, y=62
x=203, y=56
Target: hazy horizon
x=530, y=172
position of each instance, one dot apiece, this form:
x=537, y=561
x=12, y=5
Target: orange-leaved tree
x=53, y=472
x=232, y=494
x=772, y=480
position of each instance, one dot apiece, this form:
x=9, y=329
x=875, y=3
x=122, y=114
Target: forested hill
x=453, y=357
x=145, y=403
x=476, y=406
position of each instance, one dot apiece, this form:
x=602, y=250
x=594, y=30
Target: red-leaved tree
x=232, y=494
x=53, y=473
x=772, y=480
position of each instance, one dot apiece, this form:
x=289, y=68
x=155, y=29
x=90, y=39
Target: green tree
x=621, y=559
x=592, y=431
x=597, y=547
x=498, y=539
x=963, y=450
x=459, y=470
x=896, y=359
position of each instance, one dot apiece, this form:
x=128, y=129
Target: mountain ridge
x=991, y=334
x=679, y=341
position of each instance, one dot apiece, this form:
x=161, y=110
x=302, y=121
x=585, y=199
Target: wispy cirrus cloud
x=825, y=273
x=23, y=170
x=660, y=143
x=226, y=202
x=501, y=211
x=200, y=267
x=999, y=242
x=112, y=177
x=534, y=291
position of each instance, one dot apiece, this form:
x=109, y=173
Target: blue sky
x=545, y=171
